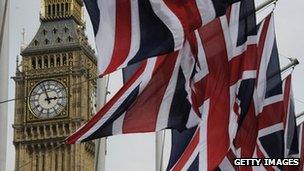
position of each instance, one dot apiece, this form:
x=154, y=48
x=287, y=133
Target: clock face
x=48, y=99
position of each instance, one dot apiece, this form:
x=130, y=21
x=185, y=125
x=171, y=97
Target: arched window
x=46, y=41
x=46, y=62
x=62, y=9
x=39, y=63
x=52, y=62
x=66, y=8
x=64, y=60
x=54, y=10
x=49, y=10
x=58, y=9
x=58, y=40
x=34, y=63
x=58, y=61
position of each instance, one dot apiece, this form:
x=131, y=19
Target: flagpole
x=4, y=70
x=294, y=62
x=100, y=151
x=159, y=147
x=3, y=23
x=265, y=4
x=300, y=115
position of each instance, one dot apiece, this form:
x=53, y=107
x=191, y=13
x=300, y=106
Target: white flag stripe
x=135, y=33
x=170, y=20
x=105, y=36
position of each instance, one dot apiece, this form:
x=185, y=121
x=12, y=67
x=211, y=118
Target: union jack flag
x=270, y=122
x=156, y=97
x=128, y=31
x=277, y=134
x=160, y=94
x=270, y=140
x=225, y=79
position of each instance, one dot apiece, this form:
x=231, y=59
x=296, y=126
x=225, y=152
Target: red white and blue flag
x=269, y=129
x=129, y=31
x=224, y=85
x=160, y=94
x=156, y=97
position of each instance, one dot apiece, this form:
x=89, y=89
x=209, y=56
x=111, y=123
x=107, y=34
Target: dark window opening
x=57, y=9
x=49, y=10
x=52, y=62
x=46, y=41
x=66, y=8
x=64, y=60
x=58, y=40
x=70, y=38
x=58, y=61
x=46, y=63
x=53, y=12
x=44, y=32
x=34, y=63
x=36, y=43
x=62, y=9
x=39, y=63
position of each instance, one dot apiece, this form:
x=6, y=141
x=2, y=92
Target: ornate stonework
x=58, y=52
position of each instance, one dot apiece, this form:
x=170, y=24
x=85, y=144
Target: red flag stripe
x=193, y=144
x=73, y=138
x=123, y=34
x=148, y=103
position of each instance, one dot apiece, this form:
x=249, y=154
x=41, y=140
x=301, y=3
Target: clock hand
x=54, y=98
x=47, y=96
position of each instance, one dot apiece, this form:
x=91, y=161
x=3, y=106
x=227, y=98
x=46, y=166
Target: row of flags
x=266, y=130
x=203, y=68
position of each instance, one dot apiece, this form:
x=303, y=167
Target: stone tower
x=55, y=92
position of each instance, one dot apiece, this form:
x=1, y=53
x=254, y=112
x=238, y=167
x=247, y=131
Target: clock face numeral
x=48, y=99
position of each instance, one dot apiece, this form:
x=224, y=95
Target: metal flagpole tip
x=296, y=61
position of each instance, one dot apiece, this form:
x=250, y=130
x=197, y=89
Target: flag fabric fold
x=269, y=128
x=223, y=83
x=220, y=75
x=149, y=101
x=129, y=31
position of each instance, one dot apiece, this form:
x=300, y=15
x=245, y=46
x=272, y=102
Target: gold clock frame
x=32, y=117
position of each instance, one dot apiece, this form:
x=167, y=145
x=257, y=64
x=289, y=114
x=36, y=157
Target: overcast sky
x=136, y=152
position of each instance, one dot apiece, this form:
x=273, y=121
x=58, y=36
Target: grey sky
x=136, y=152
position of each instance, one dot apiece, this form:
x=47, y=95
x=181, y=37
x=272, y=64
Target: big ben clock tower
x=54, y=89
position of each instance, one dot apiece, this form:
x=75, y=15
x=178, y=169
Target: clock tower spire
x=54, y=88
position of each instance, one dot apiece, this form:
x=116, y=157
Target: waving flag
x=291, y=148
x=128, y=31
x=228, y=46
x=277, y=135
x=270, y=97
x=149, y=101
